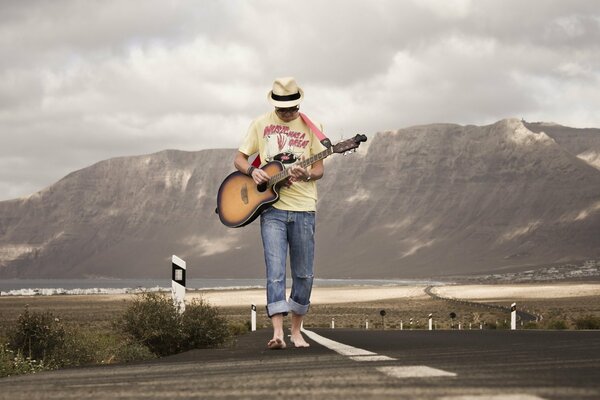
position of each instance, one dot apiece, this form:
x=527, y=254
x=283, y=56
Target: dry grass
x=92, y=312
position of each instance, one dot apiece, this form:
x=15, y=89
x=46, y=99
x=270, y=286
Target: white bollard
x=430, y=322
x=332, y=323
x=513, y=316
x=178, y=282
x=401, y=325
x=459, y=326
x=367, y=324
x=253, y=318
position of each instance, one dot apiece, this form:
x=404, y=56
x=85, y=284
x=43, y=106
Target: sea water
x=48, y=287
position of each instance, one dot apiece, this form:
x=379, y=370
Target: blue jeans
x=295, y=230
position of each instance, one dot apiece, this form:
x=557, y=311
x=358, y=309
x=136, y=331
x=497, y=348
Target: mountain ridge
x=424, y=201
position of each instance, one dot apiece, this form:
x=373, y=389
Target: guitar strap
x=316, y=131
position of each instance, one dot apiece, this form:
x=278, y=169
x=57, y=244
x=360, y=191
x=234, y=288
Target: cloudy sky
x=83, y=81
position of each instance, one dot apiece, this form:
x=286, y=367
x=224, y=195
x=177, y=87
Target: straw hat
x=286, y=93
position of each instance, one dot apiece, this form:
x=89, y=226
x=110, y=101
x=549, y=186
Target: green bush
x=152, y=320
x=38, y=335
x=202, y=326
x=531, y=325
x=155, y=322
x=42, y=337
x=14, y=363
x=131, y=351
x=557, y=324
x=588, y=322
x=246, y=328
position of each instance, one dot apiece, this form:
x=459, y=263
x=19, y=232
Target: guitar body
x=240, y=201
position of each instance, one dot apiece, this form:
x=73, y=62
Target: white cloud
x=446, y=9
x=81, y=82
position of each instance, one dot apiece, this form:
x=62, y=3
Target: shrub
x=530, y=325
x=12, y=363
x=557, y=324
x=41, y=339
x=202, y=326
x=38, y=335
x=132, y=351
x=588, y=322
x=155, y=322
x=152, y=320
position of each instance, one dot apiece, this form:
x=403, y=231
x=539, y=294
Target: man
x=290, y=223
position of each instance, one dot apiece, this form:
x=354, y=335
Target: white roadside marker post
x=430, y=322
x=253, y=318
x=513, y=316
x=401, y=325
x=178, y=282
x=332, y=323
x=367, y=324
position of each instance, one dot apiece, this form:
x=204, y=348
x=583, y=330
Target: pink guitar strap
x=316, y=131
x=322, y=138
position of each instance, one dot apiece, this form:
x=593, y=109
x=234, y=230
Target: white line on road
x=356, y=354
x=353, y=352
x=414, y=371
x=507, y=396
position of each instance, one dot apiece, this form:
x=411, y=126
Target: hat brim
x=285, y=104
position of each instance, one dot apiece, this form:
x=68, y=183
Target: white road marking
x=508, y=396
x=372, y=358
x=414, y=371
x=344, y=349
x=356, y=354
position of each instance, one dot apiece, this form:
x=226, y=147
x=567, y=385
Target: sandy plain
x=350, y=306
x=520, y=291
x=320, y=295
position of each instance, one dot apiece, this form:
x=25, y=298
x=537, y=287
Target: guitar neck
x=275, y=179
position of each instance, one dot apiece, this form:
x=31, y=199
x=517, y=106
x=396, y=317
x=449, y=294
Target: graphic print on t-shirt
x=288, y=144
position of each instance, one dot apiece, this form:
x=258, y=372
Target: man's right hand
x=260, y=176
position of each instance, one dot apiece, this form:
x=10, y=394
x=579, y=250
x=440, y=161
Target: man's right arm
x=241, y=162
x=242, y=165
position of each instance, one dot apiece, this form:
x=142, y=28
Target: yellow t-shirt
x=272, y=138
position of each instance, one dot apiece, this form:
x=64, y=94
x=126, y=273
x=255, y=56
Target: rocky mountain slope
x=425, y=201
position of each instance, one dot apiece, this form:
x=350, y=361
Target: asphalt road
x=447, y=365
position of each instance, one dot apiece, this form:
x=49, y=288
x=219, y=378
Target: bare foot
x=299, y=341
x=276, y=344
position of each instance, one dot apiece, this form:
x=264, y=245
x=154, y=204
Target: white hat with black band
x=286, y=93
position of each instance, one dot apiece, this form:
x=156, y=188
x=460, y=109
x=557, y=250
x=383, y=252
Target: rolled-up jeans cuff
x=279, y=307
x=298, y=308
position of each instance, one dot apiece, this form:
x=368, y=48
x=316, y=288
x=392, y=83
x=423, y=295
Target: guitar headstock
x=349, y=144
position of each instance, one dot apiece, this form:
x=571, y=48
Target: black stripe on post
x=178, y=274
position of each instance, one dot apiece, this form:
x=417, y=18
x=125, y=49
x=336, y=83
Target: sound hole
x=262, y=187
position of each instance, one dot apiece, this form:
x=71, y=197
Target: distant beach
x=49, y=287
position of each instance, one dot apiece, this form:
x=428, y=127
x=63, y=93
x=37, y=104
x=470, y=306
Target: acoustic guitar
x=240, y=200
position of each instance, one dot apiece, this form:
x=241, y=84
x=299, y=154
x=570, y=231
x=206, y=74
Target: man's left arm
x=317, y=170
